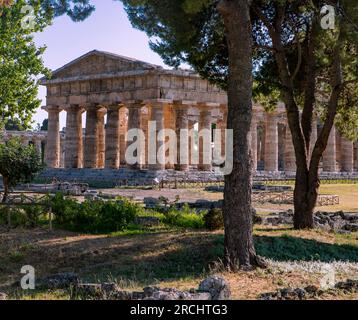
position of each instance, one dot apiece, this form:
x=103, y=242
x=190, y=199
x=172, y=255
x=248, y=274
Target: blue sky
x=107, y=29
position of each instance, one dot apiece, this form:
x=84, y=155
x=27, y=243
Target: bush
x=214, y=219
x=185, y=218
x=22, y=216
x=91, y=216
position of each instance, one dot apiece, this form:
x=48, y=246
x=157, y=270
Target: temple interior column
x=329, y=155
x=101, y=139
x=73, y=152
x=290, y=158
x=134, y=123
x=156, y=156
x=62, y=151
x=271, y=143
x=112, y=138
x=205, y=147
x=52, y=157
x=254, y=141
x=38, y=146
x=182, y=133
x=347, y=156
x=91, y=138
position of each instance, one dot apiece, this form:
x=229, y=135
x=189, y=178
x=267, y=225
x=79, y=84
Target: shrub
x=64, y=209
x=22, y=216
x=185, y=218
x=91, y=216
x=214, y=219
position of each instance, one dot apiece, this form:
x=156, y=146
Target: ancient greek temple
x=109, y=95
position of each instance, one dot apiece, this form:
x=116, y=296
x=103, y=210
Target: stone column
x=347, y=156
x=182, y=133
x=329, y=155
x=74, y=144
x=191, y=144
x=112, y=138
x=271, y=143
x=101, y=139
x=157, y=116
x=254, y=142
x=91, y=139
x=38, y=145
x=134, y=123
x=290, y=158
x=205, y=151
x=52, y=157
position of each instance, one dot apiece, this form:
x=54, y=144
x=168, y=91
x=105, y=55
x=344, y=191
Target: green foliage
x=77, y=10
x=21, y=62
x=184, y=31
x=94, y=216
x=23, y=216
x=184, y=218
x=13, y=125
x=214, y=219
x=18, y=163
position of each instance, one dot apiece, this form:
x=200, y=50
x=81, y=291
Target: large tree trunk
x=239, y=246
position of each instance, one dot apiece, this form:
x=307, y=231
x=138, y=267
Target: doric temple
x=118, y=94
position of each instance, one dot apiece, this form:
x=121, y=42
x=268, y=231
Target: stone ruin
x=340, y=221
x=211, y=288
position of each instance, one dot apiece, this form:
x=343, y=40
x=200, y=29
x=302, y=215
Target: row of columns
x=329, y=161
x=103, y=146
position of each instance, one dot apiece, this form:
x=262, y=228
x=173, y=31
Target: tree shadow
x=149, y=259
x=288, y=248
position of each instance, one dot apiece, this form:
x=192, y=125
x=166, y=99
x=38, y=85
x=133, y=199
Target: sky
x=107, y=29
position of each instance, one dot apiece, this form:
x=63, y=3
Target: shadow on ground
x=149, y=259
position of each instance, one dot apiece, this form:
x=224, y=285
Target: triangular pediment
x=99, y=62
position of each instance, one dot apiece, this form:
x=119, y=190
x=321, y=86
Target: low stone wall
x=124, y=176
x=128, y=177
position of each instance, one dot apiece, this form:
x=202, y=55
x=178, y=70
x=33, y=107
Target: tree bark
x=239, y=246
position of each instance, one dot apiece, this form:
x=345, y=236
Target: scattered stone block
x=218, y=288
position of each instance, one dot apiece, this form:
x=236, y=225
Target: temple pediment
x=98, y=62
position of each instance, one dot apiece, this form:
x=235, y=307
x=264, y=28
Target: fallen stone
x=310, y=292
x=218, y=288
x=212, y=288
